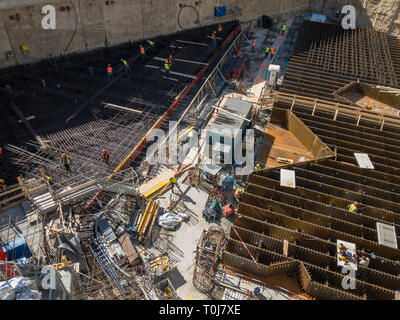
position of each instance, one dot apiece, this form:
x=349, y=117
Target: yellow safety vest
x=174, y=180
x=352, y=208
x=166, y=66
x=65, y=160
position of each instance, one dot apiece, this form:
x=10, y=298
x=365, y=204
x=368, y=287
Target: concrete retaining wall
x=95, y=23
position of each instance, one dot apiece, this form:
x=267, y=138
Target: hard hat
x=1, y=180
x=343, y=258
x=104, y=151
x=109, y=65
x=356, y=204
x=340, y=246
x=64, y=155
x=175, y=175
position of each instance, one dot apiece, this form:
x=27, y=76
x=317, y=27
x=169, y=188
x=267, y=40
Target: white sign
x=346, y=254
x=386, y=235
x=288, y=178
x=364, y=161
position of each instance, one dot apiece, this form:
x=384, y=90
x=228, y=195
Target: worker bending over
x=353, y=207
x=126, y=65
x=3, y=186
x=65, y=161
x=105, y=156
x=151, y=43
x=109, y=72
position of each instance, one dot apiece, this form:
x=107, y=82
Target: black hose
x=179, y=14
x=76, y=27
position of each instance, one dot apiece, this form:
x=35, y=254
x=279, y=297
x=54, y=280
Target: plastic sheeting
x=19, y=288
x=170, y=220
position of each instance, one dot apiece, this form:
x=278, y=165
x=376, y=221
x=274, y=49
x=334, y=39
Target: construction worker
x=284, y=27
x=253, y=45
x=166, y=66
x=272, y=51
x=142, y=52
x=151, y=43
x=126, y=65
x=238, y=194
x=109, y=73
x=267, y=51
x=49, y=179
x=65, y=161
x=338, y=12
x=219, y=30
x=3, y=185
x=257, y=167
x=105, y=156
x=353, y=207
x=170, y=59
x=174, y=181
x=213, y=39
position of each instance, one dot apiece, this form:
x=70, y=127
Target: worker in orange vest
x=253, y=45
x=109, y=73
x=3, y=185
x=219, y=30
x=105, y=156
x=170, y=59
x=213, y=39
x=272, y=51
x=142, y=52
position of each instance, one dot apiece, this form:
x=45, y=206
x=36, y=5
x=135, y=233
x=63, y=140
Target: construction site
x=211, y=150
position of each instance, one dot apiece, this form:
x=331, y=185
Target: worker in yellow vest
x=284, y=27
x=126, y=65
x=65, y=161
x=238, y=194
x=353, y=207
x=166, y=66
x=257, y=167
x=267, y=51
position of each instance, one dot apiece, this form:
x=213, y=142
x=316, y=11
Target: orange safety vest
x=254, y=43
x=141, y=50
x=272, y=51
x=109, y=69
x=170, y=59
x=219, y=28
